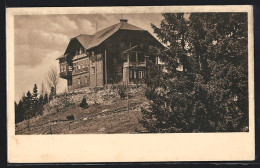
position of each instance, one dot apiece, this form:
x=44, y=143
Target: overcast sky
x=40, y=39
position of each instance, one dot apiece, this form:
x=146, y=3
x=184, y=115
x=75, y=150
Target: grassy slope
x=101, y=118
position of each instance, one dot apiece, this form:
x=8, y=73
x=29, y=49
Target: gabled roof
x=90, y=41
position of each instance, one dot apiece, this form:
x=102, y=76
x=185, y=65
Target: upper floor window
x=93, y=70
x=62, y=68
x=130, y=74
x=140, y=58
x=78, y=81
x=80, y=50
x=132, y=57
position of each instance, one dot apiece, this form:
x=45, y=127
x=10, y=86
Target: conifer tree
x=45, y=98
x=203, y=83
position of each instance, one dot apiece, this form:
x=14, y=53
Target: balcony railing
x=76, y=71
x=65, y=74
x=140, y=64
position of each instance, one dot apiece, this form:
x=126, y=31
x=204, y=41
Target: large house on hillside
x=115, y=55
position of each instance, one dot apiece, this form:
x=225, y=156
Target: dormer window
x=81, y=50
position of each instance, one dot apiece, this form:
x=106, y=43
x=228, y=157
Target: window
x=140, y=58
x=134, y=74
x=80, y=50
x=141, y=45
x=78, y=65
x=61, y=68
x=93, y=70
x=131, y=74
x=83, y=65
x=78, y=81
x=141, y=74
x=132, y=57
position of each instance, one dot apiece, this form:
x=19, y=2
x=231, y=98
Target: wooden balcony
x=82, y=70
x=134, y=64
x=65, y=74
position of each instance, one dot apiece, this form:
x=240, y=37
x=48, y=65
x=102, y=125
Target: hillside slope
x=109, y=116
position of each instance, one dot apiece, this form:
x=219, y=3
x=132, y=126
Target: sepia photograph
x=130, y=73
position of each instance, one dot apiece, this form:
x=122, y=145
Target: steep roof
x=89, y=41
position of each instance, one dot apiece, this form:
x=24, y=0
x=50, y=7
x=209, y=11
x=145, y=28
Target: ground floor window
x=134, y=74
x=131, y=74
x=141, y=74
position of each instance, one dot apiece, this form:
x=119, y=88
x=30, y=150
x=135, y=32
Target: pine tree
x=203, y=83
x=41, y=104
x=17, y=113
x=45, y=99
x=28, y=106
x=36, y=104
x=52, y=94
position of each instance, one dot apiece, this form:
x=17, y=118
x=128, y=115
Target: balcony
x=65, y=74
x=82, y=70
x=134, y=64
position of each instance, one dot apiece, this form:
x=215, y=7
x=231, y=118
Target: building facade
x=115, y=55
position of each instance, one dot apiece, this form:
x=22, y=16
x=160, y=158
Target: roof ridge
x=89, y=41
x=114, y=25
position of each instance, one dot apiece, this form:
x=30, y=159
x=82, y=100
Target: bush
x=70, y=117
x=122, y=92
x=83, y=103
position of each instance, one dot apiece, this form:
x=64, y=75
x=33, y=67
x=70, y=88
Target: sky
x=40, y=39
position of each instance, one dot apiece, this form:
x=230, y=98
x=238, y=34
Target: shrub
x=83, y=103
x=122, y=92
x=70, y=117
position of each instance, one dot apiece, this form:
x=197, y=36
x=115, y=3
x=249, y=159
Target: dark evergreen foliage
x=83, y=103
x=122, y=92
x=30, y=105
x=202, y=85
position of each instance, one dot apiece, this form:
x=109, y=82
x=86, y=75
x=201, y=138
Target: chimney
x=123, y=20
